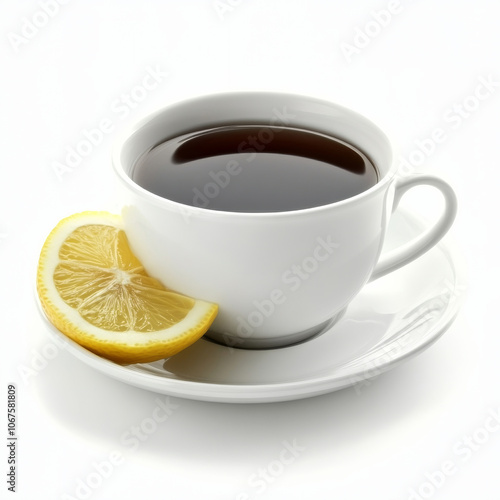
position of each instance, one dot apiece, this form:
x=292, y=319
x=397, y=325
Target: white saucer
x=391, y=320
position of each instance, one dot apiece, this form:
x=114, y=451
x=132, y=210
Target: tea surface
x=252, y=168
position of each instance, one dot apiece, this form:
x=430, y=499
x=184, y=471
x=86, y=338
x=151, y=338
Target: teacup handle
x=415, y=248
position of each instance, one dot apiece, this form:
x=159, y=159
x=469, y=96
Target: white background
x=409, y=77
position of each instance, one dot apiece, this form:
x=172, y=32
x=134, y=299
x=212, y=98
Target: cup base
x=275, y=342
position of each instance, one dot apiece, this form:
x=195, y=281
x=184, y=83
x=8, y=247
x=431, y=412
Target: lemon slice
x=95, y=291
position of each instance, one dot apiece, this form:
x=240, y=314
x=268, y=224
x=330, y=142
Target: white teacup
x=278, y=277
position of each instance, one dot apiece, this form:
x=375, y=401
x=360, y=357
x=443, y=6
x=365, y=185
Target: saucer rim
x=240, y=393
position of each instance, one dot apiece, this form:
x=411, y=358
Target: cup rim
x=126, y=180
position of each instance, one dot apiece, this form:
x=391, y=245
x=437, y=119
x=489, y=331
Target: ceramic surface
x=391, y=320
x=278, y=277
